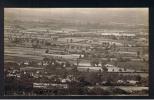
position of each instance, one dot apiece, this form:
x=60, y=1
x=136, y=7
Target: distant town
x=41, y=60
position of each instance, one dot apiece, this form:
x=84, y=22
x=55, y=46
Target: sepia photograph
x=76, y=51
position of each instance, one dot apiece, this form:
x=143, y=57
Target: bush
x=119, y=91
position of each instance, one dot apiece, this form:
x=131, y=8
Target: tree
x=32, y=63
x=84, y=53
x=71, y=40
x=67, y=64
x=97, y=91
x=77, y=61
x=80, y=56
x=46, y=60
x=97, y=62
x=138, y=53
x=34, y=46
x=125, y=69
x=47, y=51
x=105, y=69
x=138, y=78
x=47, y=44
x=120, y=70
x=103, y=63
x=94, y=62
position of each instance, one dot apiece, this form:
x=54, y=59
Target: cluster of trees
x=87, y=91
x=78, y=87
x=73, y=89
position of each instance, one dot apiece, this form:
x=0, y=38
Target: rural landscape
x=76, y=51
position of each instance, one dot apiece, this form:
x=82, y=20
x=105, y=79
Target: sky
x=117, y=15
x=68, y=10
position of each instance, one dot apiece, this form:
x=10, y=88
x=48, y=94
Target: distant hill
x=88, y=18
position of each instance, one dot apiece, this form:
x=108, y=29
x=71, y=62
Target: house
x=132, y=82
x=78, y=47
x=118, y=35
x=91, y=69
x=49, y=85
x=31, y=69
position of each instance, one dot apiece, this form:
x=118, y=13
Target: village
x=55, y=63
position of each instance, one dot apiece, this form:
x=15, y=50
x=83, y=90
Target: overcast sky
x=123, y=15
x=70, y=10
